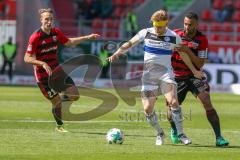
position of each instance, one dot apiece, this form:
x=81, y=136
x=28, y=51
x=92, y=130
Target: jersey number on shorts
x=52, y=93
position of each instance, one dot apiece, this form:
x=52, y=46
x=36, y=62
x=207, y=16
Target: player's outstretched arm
x=198, y=62
x=76, y=40
x=124, y=48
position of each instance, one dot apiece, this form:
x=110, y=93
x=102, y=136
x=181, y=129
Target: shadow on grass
x=101, y=133
x=204, y=146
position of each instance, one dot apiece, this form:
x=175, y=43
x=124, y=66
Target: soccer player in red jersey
x=42, y=54
x=195, y=44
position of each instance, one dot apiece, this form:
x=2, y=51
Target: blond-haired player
x=157, y=78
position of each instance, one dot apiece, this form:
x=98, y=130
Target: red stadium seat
x=218, y=4
x=115, y=2
x=228, y=38
x=236, y=16
x=238, y=38
x=116, y=24
x=215, y=37
x=203, y=27
x=216, y=27
x=227, y=27
x=115, y=34
x=112, y=35
x=237, y=4
x=97, y=23
x=130, y=3
x=206, y=15
x=118, y=12
x=109, y=23
x=112, y=24
x=119, y=3
x=238, y=28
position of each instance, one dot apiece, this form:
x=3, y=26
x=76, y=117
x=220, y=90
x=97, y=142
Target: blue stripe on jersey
x=157, y=51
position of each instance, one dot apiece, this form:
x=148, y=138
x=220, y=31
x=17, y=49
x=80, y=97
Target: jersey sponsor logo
x=49, y=49
x=153, y=36
x=159, y=44
x=29, y=48
x=54, y=38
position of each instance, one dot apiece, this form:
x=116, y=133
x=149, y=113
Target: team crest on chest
x=166, y=39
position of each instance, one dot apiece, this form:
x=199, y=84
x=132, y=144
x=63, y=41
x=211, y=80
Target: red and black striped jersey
x=198, y=45
x=45, y=47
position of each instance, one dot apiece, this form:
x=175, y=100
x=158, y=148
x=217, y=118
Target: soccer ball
x=115, y=136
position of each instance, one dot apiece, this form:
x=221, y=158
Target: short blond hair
x=160, y=15
x=43, y=10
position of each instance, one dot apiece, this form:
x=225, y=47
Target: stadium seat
x=112, y=24
x=206, y=15
x=203, y=27
x=237, y=5
x=228, y=38
x=238, y=28
x=115, y=34
x=119, y=3
x=114, y=2
x=215, y=37
x=236, y=16
x=112, y=35
x=109, y=34
x=227, y=27
x=215, y=27
x=130, y=3
x=238, y=38
x=118, y=12
x=218, y=4
x=116, y=24
x=97, y=23
x=109, y=23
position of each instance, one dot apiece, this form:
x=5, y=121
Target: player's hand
x=112, y=58
x=199, y=74
x=181, y=48
x=47, y=68
x=93, y=36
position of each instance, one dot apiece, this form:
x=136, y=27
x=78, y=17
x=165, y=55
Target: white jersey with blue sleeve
x=158, y=51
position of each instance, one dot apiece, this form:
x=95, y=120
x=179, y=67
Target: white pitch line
x=47, y=121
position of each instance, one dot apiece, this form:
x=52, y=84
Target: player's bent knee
x=75, y=97
x=56, y=101
x=173, y=103
x=148, y=110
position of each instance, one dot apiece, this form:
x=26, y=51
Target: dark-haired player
x=195, y=44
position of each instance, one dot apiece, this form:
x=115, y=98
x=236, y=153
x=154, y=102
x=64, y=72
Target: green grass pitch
x=27, y=130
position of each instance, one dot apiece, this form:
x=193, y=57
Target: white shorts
x=156, y=79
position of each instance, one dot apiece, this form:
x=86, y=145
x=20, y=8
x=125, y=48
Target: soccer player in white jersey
x=157, y=78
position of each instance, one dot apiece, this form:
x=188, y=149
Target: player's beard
x=189, y=33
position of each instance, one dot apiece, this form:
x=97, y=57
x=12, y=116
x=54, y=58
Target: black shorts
x=193, y=85
x=50, y=91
